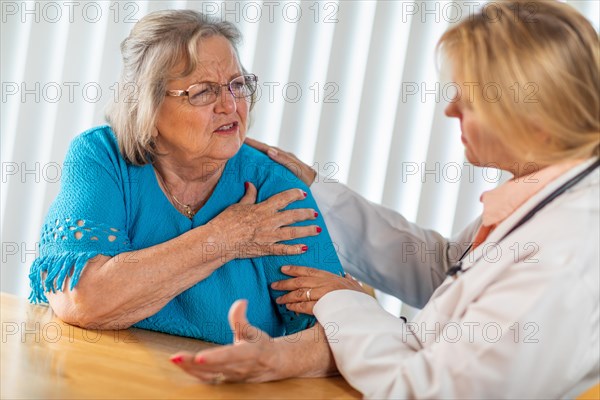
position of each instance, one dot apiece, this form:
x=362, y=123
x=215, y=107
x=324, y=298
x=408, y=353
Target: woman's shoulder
x=250, y=154
x=98, y=143
x=257, y=165
x=98, y=136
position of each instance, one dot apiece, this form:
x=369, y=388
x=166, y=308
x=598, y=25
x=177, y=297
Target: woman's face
x=212, y=132
x=482, y=148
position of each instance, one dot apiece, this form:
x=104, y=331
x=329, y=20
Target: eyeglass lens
x=207, y=92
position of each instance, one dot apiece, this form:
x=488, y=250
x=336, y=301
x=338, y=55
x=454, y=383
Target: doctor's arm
x=376, y=244
x=508, y=341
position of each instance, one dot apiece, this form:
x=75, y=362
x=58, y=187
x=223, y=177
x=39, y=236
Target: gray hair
x=156, y=44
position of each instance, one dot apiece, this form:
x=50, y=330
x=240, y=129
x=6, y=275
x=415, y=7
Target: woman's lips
x=227, y=129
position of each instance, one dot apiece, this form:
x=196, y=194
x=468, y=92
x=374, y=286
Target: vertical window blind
x=351, y=87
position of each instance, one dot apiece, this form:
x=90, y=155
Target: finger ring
x=218, y=378
x=308, y=294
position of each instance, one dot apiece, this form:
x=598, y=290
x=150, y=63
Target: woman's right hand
x=247, y=229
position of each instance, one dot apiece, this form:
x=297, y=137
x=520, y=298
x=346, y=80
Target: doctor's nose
x=452, y=110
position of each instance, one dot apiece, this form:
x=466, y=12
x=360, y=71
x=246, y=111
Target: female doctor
x=511, y=305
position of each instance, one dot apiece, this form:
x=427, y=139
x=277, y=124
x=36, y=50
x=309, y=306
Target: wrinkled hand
x=246, y=229
x=304, y=172
x=309, y=285
x=251, y=357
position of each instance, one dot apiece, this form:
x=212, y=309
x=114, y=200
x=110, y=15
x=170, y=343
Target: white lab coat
x=522, y=322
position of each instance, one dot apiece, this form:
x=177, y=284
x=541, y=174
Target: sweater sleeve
x=321, y=249
x=87, y=218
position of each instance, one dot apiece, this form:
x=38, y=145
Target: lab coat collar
x=505, y=225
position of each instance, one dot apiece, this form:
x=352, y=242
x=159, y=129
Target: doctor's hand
x=309, y=285
x=304, y=172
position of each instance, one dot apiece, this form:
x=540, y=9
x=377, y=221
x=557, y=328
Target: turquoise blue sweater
x=115, y=207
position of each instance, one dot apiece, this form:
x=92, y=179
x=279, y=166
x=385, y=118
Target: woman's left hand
x=253, y=356
x=309, y=285
x=256, y=357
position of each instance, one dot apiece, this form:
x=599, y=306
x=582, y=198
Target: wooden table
x=43, y=357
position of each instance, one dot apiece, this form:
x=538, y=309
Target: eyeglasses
x=203, y=93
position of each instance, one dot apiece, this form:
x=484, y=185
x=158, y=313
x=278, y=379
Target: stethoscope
x=456, y=269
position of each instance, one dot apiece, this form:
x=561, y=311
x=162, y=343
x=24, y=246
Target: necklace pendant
x=189, y=212
x=184, y=208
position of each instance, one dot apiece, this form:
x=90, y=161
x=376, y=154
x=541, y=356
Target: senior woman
x=145, y=230
x=515, y=312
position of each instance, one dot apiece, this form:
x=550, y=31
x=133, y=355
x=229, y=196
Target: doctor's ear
x=539, y=130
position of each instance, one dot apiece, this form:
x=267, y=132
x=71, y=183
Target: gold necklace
x=186, y=208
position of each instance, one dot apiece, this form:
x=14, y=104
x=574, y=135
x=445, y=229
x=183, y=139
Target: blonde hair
x=156, y=45
x=551, y=52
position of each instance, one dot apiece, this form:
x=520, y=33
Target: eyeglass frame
x=181, y=93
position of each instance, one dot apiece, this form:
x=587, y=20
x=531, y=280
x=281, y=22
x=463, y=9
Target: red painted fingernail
x=177, y=359
x=319, y=229
x=246, y=185
x=305, y=194
x=304, y=248
x=316, y=214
